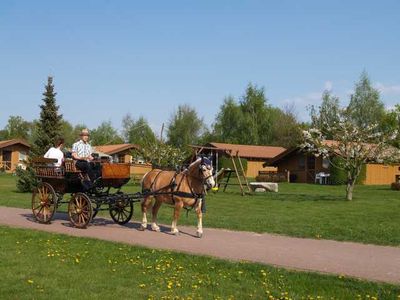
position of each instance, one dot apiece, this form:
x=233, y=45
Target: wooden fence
x=268, y=176
x=5, y=165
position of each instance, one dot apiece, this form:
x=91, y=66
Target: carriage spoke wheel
x=121, y=211
x=80, y=210
x=44, y=202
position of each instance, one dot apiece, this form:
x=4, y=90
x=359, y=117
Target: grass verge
x=38, y=265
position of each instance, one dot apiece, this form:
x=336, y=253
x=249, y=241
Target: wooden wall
x=254, y=166
x=381, y=174
x=306, y=174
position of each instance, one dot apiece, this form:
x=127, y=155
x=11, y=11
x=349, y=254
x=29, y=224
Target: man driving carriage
x=82, y=153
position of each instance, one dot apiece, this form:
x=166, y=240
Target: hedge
x=339, y=176
x=225, y=162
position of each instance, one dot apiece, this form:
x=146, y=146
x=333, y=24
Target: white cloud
x=303, y=103
x=328, y=85
x=388, y=89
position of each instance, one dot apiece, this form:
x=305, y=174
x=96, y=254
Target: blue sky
x=110, y=58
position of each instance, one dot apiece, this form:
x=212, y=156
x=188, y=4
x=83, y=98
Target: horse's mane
x=194, y=163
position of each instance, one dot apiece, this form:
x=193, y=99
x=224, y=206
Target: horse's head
x=206, y=170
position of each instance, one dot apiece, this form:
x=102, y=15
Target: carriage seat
x=44, y=167
x=70, y=166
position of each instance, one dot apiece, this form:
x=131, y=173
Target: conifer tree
x=50, y=122
x=48, y=129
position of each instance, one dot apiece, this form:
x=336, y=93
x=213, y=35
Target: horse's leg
x=155, y=209
x=145, y=203
x=177, y=210
x=199, y=219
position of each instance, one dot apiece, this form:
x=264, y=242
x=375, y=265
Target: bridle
x=205, y=164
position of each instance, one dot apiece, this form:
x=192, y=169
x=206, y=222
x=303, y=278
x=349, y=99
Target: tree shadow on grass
x=307, y=197
x=300, y=197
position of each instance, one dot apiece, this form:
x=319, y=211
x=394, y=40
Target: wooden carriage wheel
x=44, y=202
x=121, y=210
x=80, y=210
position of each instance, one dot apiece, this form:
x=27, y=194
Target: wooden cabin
x=255, y=155
x=13, y=153
x=122, y=153
x=304, y=168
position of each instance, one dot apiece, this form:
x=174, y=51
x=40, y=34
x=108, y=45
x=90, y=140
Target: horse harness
x=175, y=189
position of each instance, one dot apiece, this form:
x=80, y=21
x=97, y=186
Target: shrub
x=395, y=186
x=160, y=155
x=339, y=176
x=26, y=181
x=226, y=162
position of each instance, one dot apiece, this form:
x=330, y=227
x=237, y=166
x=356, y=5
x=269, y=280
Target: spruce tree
x=48, y=129
x=50, y=122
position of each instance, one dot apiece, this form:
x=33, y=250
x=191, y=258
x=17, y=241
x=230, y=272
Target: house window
x=22, y=156
x=121, y=158
x=325, y=163
x=311, y=162
x=302, y=163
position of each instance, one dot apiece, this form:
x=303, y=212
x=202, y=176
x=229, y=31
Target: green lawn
x=302, y=210
x=38, y=265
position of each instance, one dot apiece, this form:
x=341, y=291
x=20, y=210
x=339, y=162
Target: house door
x=311, y=169
x=7, y=160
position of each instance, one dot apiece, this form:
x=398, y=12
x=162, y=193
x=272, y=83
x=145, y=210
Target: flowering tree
x=355, y=145
x=162, y=155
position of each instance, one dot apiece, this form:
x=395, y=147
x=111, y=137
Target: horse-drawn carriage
x=184, y=189
x=83, y=204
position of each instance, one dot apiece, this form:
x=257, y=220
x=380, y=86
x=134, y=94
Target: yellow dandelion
x=30, y=281
x=142, y=285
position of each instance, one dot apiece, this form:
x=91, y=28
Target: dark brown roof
x=7, y=143
x=289, y=151
x=279, y=157
x=250, y=151
x=113, y=149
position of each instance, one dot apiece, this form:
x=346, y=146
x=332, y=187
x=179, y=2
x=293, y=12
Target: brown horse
x=185, y=189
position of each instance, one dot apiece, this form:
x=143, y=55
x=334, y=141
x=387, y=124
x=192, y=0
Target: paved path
x=370, y=262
